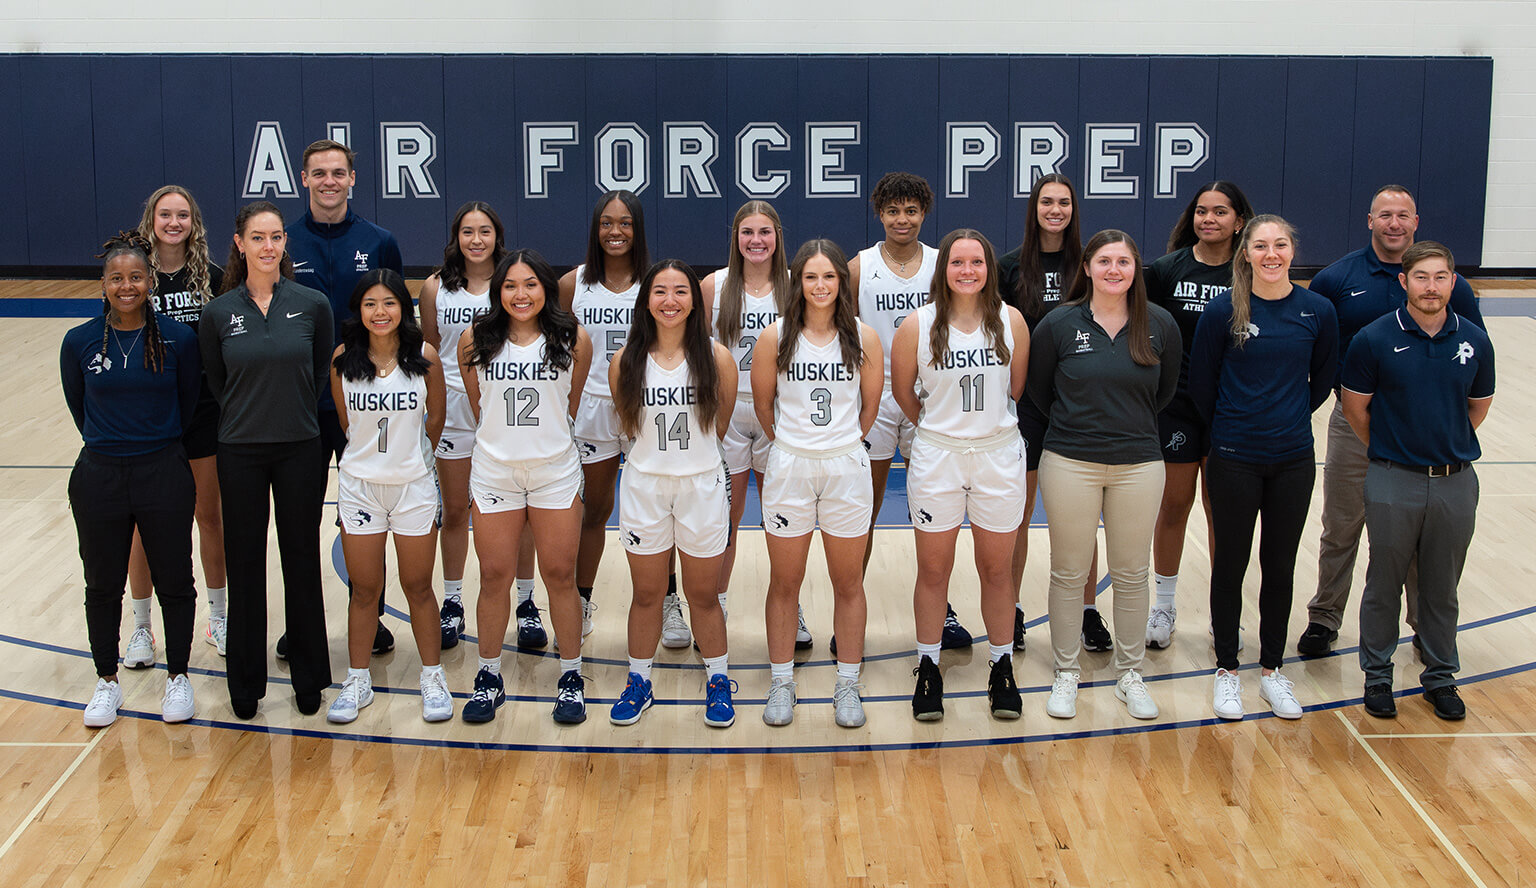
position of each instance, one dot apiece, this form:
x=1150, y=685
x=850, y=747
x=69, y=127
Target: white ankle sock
x=931, y=651
x=432, y=670
x=996, y=652
x=360, y=673
x=1164, y=587
x=452, y=589
x=570, y=665
x=524, y=590
x=140, y=612
x=640, y=667
x=849, y=671
x=493, y=664
x=218, y=602
x=781, y=670
x=714, y=666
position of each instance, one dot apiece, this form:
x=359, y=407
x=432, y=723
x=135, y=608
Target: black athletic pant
x=109, y=496
x=1240, y=493
x=293, y=475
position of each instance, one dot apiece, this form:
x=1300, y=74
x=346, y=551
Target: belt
x=1431, y=471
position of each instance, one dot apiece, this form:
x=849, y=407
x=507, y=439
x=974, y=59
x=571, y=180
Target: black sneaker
x=489, y=694
x=282, y=646
x=1316, y=641
x=1447, y=703
x=1018, y=630
x=570, y=703
x=530, y=629
x=1003, y=691
x=383, y=640
x=955, y=635
x=1379, y=701
x=451, y=619
x=1096, y=635
x=928, y=696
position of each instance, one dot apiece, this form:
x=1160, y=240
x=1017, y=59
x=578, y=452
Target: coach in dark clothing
x=1416, y=385
x=266, y=345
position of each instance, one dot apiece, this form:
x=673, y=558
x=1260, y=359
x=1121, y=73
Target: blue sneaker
x=570, y=705
x=635, y=700
x=955, y=635
x=718, y=710
x=530, y=629
x=488, y=695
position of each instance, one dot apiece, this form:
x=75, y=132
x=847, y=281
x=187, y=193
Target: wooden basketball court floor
x=1335, y=798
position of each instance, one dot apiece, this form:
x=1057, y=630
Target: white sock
x=931, y=651
x=1164, y=587
x=849, y=671
x=524, y=590
x=781, y=670
x=996, y=652
x=493, y=664
x=218, y=603
x=1019, y=607
x=361, y=674
x=1090, y=607
x=570, y=665
x=141, y=613
x=452, y=589
x=714, y=666
x=641, y=667
x=432, y=670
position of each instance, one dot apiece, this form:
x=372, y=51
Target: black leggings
x=1240, y=492
x=109, y=497
x=293, y=475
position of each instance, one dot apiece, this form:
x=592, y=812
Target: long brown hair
x=1139, y=324
x=845, y=315
x=728, y=297
x=1242, y=274
x=453, y=274
x=197, y=261
x=989, y=301
x=703, y=375
x=1030, y=286
x=234, y=269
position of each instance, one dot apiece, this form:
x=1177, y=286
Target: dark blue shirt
x=1362, y=288
x=1419, y=387
x=121, y=407
x=1259, y=398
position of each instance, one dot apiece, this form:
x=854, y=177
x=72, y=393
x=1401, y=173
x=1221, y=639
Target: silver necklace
x=119, y=342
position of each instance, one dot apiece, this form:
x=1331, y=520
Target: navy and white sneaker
x=530, y=629
x=489, y=694
x=451, y=618
x=570, y=704
x=719, y=712
x=635, y=700
x=955, y=635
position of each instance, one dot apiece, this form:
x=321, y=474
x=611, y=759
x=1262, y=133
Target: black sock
x=586, y=592
x=672, y=584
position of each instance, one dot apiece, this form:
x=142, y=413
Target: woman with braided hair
x=184, y=280
x=131, y=379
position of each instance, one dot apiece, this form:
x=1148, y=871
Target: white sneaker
x=1211, y=631
x=356, y=693
x=436, y=702
x=847, y=704
x=1227, y=701
x=1063, y=699
x=674, y=629
x=102, y=710
x=1278, y=691
x=587, y=610
x=176, y=705
x=802, y=634
x=141, y=649
x=218, y=633
x=780, y=709
x=1160, y=626
x=1132, y=691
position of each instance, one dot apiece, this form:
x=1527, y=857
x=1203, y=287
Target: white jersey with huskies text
x=969, y=394
x=525, y=406
x=757, y=314
x=456, y=310
x=607, y=316
x=671, y=440
x=816, y=408
x=885, y=299
x=386, y=428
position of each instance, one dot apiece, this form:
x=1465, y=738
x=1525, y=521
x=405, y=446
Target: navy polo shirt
x=1362, y=288
x=1419, y=387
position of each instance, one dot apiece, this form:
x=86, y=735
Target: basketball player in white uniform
x=389, y=393
x=451, y=298
x=524, y=366
x=890, y=281
x=744, y=298
x=601, y=293
x=674, y=389
x=816, y=381
x=966, y=353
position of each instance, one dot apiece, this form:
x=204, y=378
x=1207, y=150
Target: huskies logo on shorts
x=921, y=516
x=587, y=448
x=492, y=499
x=445, y=445
x=631, y=538
x=1177, y=441
x=361, y=519
x=779, y=521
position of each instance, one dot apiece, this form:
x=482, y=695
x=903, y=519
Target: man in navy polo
x=1363, y=286
x=332, y=248
x=1416, y=385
